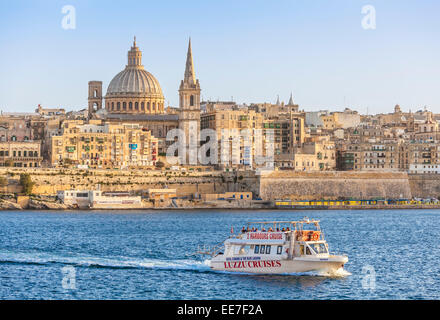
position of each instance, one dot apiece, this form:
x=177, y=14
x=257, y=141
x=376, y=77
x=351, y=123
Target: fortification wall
x=334, y=185
x=425, y=186
x=49, y=181
x=276, y=185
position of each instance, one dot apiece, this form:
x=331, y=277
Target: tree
x=159, y=164
x=27, y=183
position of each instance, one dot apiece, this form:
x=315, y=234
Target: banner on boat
x=265, y=236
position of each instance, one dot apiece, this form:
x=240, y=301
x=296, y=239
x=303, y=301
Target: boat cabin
x=277, y=240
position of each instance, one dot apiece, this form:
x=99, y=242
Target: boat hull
x=296, y=265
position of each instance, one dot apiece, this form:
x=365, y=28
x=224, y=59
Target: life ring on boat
x=315, y=236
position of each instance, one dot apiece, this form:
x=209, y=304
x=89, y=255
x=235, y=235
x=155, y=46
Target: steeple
x=278, y=100
x=190, y=77
x=291, y=100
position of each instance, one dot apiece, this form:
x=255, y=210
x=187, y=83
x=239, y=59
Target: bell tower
x=95, y=96
x=189, y=113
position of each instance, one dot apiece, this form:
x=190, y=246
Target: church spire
x=190, y=77
x=291, y=100
x=278, y=100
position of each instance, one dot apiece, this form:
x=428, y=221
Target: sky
x=248, y=51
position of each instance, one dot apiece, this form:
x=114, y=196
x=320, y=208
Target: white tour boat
x=276, y=247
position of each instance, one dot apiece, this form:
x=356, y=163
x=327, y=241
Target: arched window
x=13, y=138
x=119, y=106
x=124, y=105
x=191, y=101
x=130, y=105
x=148, y=106
x=113, y=106
x=95, y=94
x=136, y=106
x=142, y=106
x=154, y=106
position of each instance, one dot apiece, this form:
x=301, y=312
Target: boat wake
x=103, y=262
x=339, y=273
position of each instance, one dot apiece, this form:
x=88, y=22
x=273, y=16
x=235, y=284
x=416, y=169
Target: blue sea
x=393, y=254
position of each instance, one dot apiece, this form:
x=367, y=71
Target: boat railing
x=208, y=250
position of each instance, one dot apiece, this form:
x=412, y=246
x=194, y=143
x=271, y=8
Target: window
x=308, y=252
x=191, y=101
x=279, y=249
x=82, y=195
x=257, y=249
x=268, y=249
x=244, y=250
x=319, y=248
x=262, y=249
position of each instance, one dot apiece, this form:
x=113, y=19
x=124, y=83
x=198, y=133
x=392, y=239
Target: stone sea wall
x=425, y=186
x=49, y=181
x=334, y=185
x=272, y=186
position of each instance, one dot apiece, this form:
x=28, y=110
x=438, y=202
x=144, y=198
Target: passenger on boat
x=247, y=229
x=270, y=229
x=288, y=229
x=278, y=229
x=264, y=229
x=283, y=230
x=243, y=230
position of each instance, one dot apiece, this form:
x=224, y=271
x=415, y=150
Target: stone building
x=103, y=145
x=20, y=154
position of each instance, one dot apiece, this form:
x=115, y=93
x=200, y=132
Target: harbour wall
x=425, y=185
x=49, y=181
x=272, y=186
x=334, y=185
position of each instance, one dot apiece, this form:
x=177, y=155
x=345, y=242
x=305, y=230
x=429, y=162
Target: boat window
x=319, y=248
x=308, y=252
x=279, y=249
x=257, y=249
x=244, y=250
x=301, y=249
x=268, y=249
x=262, y=248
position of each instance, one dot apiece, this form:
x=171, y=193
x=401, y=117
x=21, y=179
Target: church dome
x=134, y=81
x=134, y=90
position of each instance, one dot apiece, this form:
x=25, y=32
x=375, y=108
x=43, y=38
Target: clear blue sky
x=248, y=50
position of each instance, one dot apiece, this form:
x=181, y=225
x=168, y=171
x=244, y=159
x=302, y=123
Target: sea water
x=393, y=254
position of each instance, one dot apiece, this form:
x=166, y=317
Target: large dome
x=134, y=90
x=135, y=81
